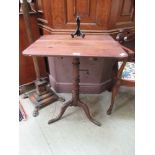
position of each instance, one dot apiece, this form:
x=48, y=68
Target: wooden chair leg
x=114, y=93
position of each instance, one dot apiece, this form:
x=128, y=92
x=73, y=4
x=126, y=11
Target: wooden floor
x=74, y=134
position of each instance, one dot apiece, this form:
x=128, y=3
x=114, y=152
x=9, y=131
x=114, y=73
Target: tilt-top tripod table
x=65, y=46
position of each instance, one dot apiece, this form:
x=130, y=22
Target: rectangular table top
x=65, y=45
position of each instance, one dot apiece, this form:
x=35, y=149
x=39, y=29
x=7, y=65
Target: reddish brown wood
x=65, y=45
x=25, y=10
x=95, y=74
x=26, y=68
x=43, y=95
x=75, y=101
x=42, y=100
x=118, y=81
x=121, y=14
x=96, y=15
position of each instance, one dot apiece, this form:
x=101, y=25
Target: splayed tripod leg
x=63, y=109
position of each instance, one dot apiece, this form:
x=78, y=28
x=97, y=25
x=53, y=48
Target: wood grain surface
x=64, y=45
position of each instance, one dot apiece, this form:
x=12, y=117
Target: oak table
x=65, y=46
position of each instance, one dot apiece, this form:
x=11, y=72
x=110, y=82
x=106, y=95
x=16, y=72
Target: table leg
x=63, y=109
x=87, y=112
x=75, y=96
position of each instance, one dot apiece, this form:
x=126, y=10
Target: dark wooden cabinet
x=122, y=14
x=96, y=15
x=65, y=12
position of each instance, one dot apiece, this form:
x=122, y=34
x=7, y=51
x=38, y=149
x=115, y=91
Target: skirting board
x=92, y=88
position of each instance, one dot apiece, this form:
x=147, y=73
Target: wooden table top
x=65, y=45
